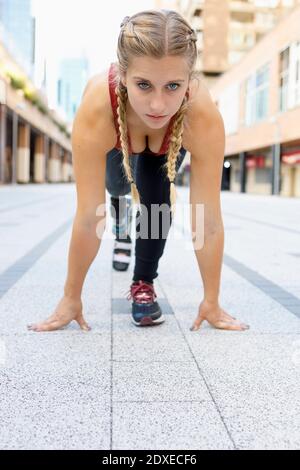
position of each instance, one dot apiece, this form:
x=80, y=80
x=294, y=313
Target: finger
x=196, y=324
x=83, y=324
x=238, y=322
x=224, y=325
x=244, y=325
x=229, y=317
x=85, y=327
x=34, y=325
x=48, y=326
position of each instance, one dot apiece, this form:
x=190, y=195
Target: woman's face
x=156, y=87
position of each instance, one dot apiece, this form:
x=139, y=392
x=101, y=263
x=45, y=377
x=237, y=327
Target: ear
x=123, y=80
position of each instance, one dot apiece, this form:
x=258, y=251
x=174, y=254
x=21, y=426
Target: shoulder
x=97, y=87
x=204, y=122
x=94, y=114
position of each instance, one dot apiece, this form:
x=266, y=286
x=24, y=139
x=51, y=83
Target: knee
x=118, y=189
x=115, y=180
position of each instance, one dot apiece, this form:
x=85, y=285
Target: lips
x=150, y=115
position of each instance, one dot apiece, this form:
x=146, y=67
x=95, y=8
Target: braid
x=156, y=34
x=121, y=93
x=175, y=142
x=173, y=150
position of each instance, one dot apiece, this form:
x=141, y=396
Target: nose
x=157, y=105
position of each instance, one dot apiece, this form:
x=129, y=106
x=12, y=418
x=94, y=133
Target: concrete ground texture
x=163, y=387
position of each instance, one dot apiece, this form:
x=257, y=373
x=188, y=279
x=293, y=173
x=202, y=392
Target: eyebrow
x=170, y=81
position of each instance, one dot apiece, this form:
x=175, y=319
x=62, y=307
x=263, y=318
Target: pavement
x=163, y=387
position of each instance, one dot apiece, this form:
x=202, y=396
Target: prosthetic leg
x=121, y=211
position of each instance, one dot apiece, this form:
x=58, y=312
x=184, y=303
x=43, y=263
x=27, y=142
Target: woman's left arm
x=207, y=157
x=207, y=148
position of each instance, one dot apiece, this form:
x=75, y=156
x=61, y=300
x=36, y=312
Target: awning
x=291, y=158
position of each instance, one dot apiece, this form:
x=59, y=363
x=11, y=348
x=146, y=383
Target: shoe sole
x=148, y=321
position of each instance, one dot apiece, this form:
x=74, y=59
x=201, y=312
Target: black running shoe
x=145, y=309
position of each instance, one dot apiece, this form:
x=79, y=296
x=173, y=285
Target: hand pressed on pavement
x=217, y=317
x=67, y=310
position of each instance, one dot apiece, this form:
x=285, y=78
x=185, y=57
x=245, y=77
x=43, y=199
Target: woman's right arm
x=91, y=139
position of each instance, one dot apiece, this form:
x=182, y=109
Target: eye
x=142, y=83
x=177, y=86
x=172, y=89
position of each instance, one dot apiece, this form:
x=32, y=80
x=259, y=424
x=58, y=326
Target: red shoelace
x=142, y=292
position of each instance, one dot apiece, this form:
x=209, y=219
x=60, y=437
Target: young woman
x=130, y=135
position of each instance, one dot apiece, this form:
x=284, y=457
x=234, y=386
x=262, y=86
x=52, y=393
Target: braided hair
x=154, y=33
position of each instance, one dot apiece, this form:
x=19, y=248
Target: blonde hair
x=154, y=33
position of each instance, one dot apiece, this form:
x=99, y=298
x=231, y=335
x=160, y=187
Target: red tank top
x=113, y=99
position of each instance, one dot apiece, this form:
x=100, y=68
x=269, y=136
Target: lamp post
x=276, y=157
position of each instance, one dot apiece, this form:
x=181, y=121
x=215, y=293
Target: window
x=264, y=19
x=289, y=77
x=249, y=40
x=237, y=175
x=297, y=77
x=242, y=16
x=262, y=83
x=59, y=91
x=257, y=95
x=263, y=175
x=294, y=76
x=284, y=60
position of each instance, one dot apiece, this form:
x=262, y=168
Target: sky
x=68, y=28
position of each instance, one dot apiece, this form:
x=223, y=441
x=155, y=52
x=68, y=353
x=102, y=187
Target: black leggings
x=154, y=188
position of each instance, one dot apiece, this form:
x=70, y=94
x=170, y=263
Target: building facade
x=259, y=99
x=17, y=28
x=249, y=56
x=228, y=29
x=73, y=76
x=34, y=148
